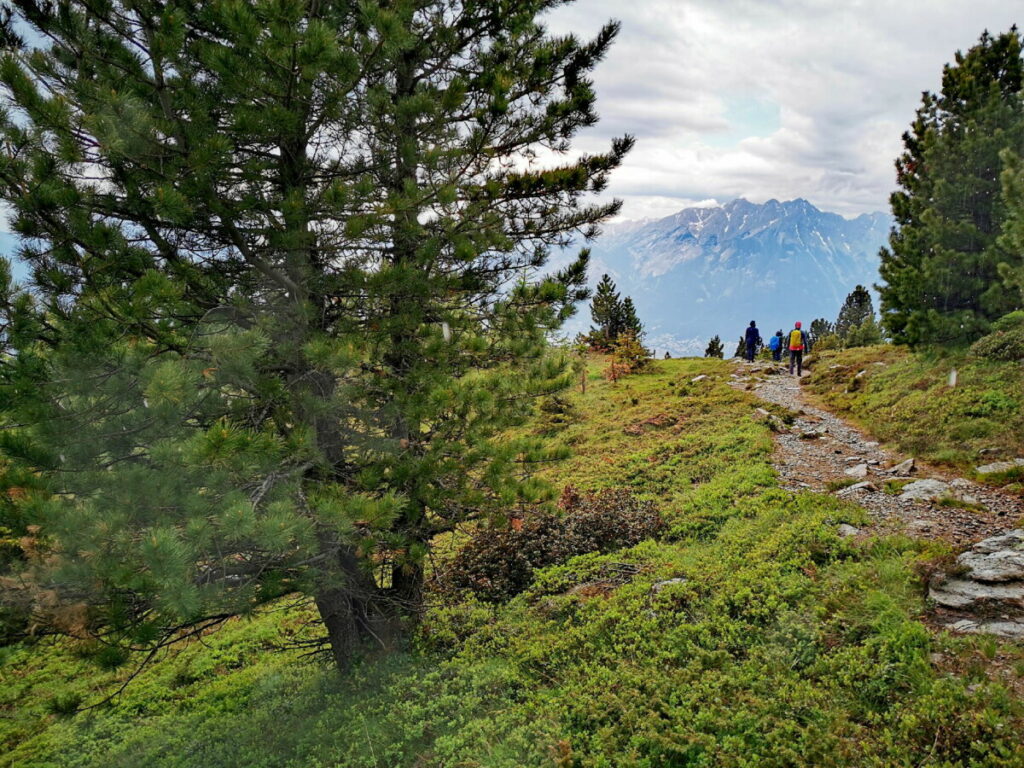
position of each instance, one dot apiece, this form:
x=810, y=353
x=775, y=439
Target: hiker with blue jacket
x=798, y=342
x=775, y=345
x=753, y=340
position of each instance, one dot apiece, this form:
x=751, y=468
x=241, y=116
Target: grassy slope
x=783, y=645
x=906, y=400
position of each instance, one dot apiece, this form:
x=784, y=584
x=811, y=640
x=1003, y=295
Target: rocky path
x=819, y=451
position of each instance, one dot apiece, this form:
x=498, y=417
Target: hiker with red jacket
x=798, y=342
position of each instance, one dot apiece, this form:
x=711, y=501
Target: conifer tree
x=820, y=327
x=606, y=312
x=284, y=257
x=940, y=271
x=715, y=348
x=855, y=310
x=629, y=321
x=1011, y=269
x=741, y=348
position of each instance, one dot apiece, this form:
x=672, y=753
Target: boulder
x=999, y=466
x=860, y=470
x=965, y=593
x=846, y=531
x=924, y=490
x=904, y=468
x=996, y=559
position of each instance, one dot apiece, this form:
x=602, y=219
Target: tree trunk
x=352, y=610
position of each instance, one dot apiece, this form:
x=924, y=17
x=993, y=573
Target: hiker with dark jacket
x=797, y=345
x=775, y=344
x=753, y=339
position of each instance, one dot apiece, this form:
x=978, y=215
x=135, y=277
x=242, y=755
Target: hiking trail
x=820, y=452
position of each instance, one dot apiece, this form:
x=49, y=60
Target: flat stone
x=924, y=490
x=847, y=531
x=1010, y=540
x=964, y=625
x=853, y=490
x=999, y=466
x=904, y=468
x=871, y=444
x=854, y=459
x=860, y=470
x=695, y=379
x=660, y=585
x=996, y=560
x=964, y=593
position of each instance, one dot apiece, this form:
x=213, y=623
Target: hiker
x=753, y=340
x=775, y=345
x=797, y=345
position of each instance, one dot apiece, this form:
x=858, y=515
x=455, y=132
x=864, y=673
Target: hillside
x=691, y=273
x=748, y=633
x=907, y=400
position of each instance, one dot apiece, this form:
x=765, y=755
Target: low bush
x=1005, y=342
x=500, y=562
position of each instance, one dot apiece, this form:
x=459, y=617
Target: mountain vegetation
x=288, y=291
x=746, y=631
x=715, y=348
x=614, y=318
x=942, y=273
x=906, y=400
x=298, y=468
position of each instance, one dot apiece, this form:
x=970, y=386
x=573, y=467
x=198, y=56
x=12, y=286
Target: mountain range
x=706, y=271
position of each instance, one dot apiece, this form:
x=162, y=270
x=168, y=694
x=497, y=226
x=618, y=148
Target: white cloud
x=693, y=80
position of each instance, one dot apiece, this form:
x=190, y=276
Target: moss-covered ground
x=750, y=634
x=907, y=400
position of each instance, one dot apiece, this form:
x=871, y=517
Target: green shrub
x=1005, y=341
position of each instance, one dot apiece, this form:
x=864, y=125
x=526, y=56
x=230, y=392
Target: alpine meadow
x=335, y=430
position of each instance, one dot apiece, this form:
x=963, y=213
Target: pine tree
x=715, y=348
x=940, y=271
x=629, y=321
x=866, y=334
x=270, y=342
x=606, y=312
x=820, y=327
x=741, y=348
x=1011, y=269
x=855, y=310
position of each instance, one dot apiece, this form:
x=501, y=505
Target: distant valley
x=707, y=271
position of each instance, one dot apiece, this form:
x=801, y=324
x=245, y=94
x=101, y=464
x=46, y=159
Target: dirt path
x=820, y=451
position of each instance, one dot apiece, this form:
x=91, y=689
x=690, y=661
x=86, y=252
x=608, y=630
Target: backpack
x=775, y=343
x=796, y=339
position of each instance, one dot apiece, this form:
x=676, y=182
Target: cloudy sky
x=770, y=98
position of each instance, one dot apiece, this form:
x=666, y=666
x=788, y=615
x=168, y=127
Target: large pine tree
x=940, y=271
x=284, y=257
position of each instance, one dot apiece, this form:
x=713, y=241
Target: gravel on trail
x=820, y=452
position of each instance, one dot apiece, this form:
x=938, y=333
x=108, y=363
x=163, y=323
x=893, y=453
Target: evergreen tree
x=629, y=321
x=820, y=327
x=606, y=312
x=855, y=310
x=715, y=348
x=271, y=334
x=741, y=348
x=866, y=334
x=940, y=271
x=1012, y=238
